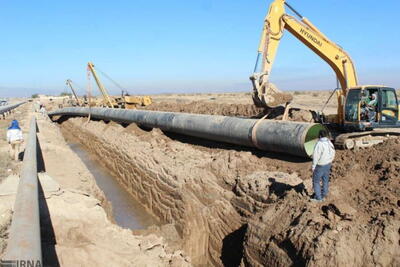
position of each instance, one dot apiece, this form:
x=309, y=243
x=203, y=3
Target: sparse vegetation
x=315, y=94
x=297, y=93
x=35, y=96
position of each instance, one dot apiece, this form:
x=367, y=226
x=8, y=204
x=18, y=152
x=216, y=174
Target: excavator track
x=358, y=140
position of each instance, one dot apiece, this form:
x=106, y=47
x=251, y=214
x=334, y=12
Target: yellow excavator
x=125, y=101
x=356, y=124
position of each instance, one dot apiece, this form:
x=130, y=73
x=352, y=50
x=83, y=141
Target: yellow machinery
x=107, y=100
x=349, y=116
x=131, y=102
x=125, y=101
x=78, y=101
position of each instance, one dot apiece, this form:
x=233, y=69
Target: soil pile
x=233, y=110
x=358, y=225
x=273, y=96
x=198, y=107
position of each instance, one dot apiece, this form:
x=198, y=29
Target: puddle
x=127, y=212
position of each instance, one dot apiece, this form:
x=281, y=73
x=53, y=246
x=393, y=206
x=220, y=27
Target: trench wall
x=171, y=180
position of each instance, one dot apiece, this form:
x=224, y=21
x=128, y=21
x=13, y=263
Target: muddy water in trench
x=127, y=212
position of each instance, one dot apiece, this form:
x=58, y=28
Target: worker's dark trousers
x=321, y=172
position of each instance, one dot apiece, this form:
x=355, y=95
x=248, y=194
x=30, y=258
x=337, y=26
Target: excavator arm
x=276, y=22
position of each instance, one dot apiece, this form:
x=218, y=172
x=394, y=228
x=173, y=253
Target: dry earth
x=76, y=228
x=359, y=224
x=237, y=206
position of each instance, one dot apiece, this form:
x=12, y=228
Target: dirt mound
x=382, y=160
x=234, y=110
x=359, y=224
x=271, y=96
x=198, y=107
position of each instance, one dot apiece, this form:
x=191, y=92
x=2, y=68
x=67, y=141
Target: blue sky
x=185, y=46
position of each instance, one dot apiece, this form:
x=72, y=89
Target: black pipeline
x=8, y=108
x=295, y=138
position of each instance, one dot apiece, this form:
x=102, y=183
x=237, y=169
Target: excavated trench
x=225, y=205
x=177, y=191
x=127, y=211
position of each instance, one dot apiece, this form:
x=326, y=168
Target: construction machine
x=108, y=101
x=78, y=101
x=352, y=126
x=125, y=101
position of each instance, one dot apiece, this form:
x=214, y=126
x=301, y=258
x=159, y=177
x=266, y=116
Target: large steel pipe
x=295, y=138
x=7, y=108
x=24, y=244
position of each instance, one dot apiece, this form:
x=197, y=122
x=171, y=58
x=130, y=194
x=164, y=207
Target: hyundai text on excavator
x=125, y=101
x=351, y=127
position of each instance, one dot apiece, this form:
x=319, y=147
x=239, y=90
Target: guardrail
x=8, y=108
x=24, y=244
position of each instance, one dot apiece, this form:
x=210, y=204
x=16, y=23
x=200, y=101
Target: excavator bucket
x=267, y=95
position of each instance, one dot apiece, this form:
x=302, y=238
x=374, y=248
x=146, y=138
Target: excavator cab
x=371, y=107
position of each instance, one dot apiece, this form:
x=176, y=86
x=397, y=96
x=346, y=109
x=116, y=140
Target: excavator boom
x=354, y=114
x=276, y=21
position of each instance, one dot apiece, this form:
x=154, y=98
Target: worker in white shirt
x=14, y=138
x=324, y=154
x=43, y=110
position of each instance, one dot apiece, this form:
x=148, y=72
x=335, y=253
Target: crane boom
x=102, y=89
x=69, y=83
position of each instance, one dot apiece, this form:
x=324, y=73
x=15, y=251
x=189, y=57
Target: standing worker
x=324, y=153
x=14, y=138
x=43, y=110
